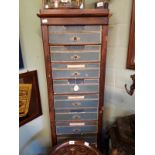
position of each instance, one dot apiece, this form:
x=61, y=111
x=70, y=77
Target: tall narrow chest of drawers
x=75, y=43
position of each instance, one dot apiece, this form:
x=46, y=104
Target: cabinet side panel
x=49, y=82
x=102, y=82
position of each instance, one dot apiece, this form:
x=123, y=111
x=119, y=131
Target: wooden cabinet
x=75, y=43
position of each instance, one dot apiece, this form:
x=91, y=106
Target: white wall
x=35, y=135
x=117, y=101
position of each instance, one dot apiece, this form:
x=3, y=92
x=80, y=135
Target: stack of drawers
x=75, y=53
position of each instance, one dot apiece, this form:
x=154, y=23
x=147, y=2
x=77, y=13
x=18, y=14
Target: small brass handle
x=75, y=57
x=76, y=117
x=76, y=130
x=76, y=74
x=76, y=104
x=75, y=38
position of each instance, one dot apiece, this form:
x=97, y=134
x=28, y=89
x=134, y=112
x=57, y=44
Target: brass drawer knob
x=76, y=117
x=76, y=104
x=76, y=74
x=75, y=57
x=75, y=38
x=76, y=130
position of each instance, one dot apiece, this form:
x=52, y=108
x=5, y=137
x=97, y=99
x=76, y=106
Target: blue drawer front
x=75, y=57
x=85, y=66
x=76, y=116
x=76, y=97
x=75, y=28
x=76, y=130
x=75, y=53
x=76, y=73
x=74, y=48
x=76, y=81
x=67, y=104
x=76, y=70
x=83, y=88
x=75, y=38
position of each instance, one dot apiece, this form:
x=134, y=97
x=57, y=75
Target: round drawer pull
x=76, y=104
x=76, y=130
x=76, y=88
x=75, y=38
x=75, y=57
x=76, y=74
x=76, y=117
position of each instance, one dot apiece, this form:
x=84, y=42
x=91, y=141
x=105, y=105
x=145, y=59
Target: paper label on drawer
x=100, y=4
x=76, y=88
x=72, y=142
x=76, y=124
x=46, y=6
x=44, y=21
x=75, y=66
x=75, y=97
x=86, y=144
x=64, y=1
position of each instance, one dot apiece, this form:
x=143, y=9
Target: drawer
x=74, y=86
x=92, y=139
x=69, y=104
x=76, y=127
x=76, y=123
x=74, y=38
x=75, y=53
x=76, y=101
x=79, y=66
x=75, y=71
x=74, y=28
x=82, y=114
x=76, y=97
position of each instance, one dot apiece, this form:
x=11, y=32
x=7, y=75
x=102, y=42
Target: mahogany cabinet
x=75, y=44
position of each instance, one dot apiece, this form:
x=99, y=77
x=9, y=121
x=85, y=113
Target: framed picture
x=29, y=97
x=21, y=64
x=131, y=47
x=64, y=4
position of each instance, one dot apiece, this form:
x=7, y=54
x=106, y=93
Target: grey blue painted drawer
x=76, y=101
x=75, y=129
x=91, y=86
x=75, y=53
x=73, y=38
x=71, y=66
x=76, y=81
x=82, y=114
x=69, y=104
x=76, y=97
x=76, y=123
x=92, y=139
x=74, y=28
x=75, y=70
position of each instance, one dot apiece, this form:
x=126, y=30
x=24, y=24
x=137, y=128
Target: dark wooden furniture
x=74, y=148
x=131, y=47
x=75, y=44
x=122, y=136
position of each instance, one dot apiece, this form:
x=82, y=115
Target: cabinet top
x=73, y=13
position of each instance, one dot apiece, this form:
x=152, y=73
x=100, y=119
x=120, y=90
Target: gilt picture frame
x=34, y=109
x=130, y=64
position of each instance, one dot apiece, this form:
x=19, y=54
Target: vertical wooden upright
x=102, y=81
x=49, y=82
